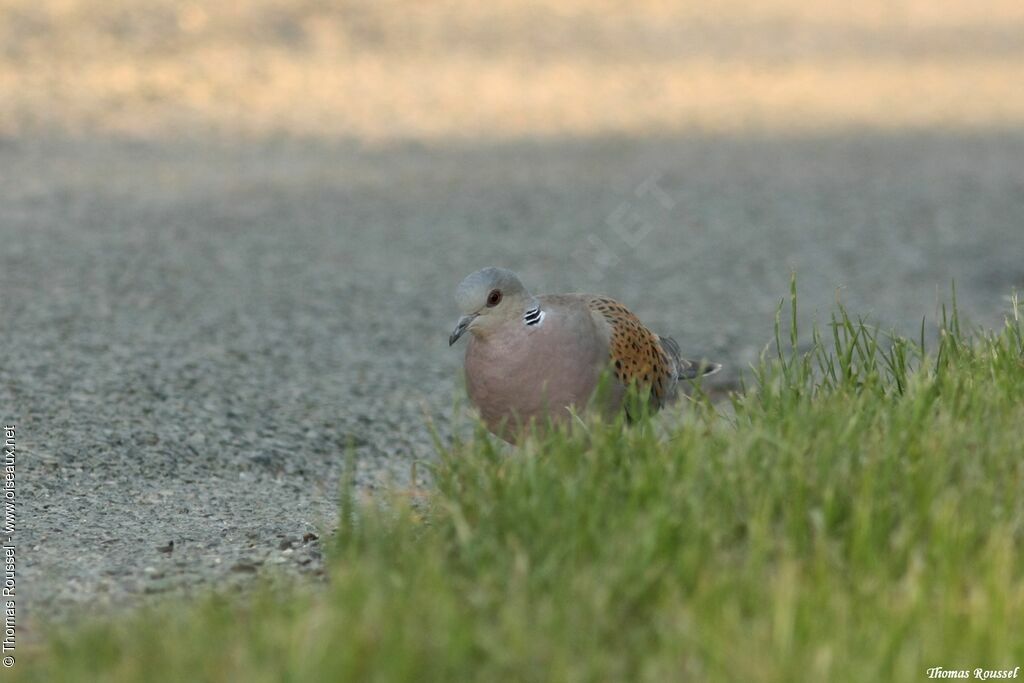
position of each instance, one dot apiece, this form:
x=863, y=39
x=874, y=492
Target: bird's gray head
x=487, y=298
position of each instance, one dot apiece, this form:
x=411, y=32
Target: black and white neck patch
x=533, y=316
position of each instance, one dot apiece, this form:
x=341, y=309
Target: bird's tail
x=688, y=369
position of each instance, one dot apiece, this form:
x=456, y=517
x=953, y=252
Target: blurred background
x=451, y=69
x=230, y=232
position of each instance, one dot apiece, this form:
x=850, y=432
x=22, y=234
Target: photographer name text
x=7, y=590
x=982, y=674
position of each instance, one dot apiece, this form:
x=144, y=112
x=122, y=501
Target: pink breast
x=532, y=375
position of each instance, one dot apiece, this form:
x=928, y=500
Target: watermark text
x=9, y=574
x=979, y=673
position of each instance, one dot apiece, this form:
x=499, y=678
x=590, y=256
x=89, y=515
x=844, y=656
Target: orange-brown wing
x=635, y=352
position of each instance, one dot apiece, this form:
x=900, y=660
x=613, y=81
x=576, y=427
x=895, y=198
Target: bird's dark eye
x=494, y=298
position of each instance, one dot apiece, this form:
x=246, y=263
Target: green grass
x=856, y=516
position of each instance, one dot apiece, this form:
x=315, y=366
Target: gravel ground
x=194, y=331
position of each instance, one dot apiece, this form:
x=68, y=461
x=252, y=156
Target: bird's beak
x=461, y=327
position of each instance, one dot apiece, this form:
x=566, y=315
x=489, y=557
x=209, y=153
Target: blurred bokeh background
x=230, y=231
x=441, y=69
